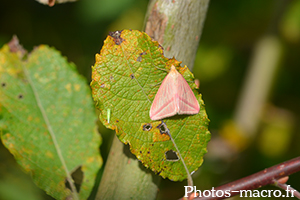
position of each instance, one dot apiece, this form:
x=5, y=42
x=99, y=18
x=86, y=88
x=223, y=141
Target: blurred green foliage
x=231, y=30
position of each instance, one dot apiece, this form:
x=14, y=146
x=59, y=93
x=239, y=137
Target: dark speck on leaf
x=132, y=76
x=3, y=84
x=20, y=96
x=117, y=120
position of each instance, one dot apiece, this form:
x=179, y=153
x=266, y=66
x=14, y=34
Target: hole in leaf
x=116, y=36
x=131, y=76
x=77, y=177
x=163, y=128
x=102, y=86
x=111, y=78
x=3, y=84
x=20, y=96
x=139, y=59
x=171, y=155
x=147, y=127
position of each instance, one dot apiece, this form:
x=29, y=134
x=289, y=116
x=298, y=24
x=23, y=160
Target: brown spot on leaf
x=117, y=37
x=158, y=137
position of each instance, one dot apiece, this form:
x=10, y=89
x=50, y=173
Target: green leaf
x=125, y=79
x=47, y=120
x=12, y=179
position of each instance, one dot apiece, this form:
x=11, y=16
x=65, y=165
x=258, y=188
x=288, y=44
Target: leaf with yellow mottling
x=125, y=79
x=46, y=124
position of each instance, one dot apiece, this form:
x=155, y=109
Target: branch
x=257, y=180
x=289, y=189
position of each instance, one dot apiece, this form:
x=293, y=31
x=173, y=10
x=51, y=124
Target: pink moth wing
x=174, y=96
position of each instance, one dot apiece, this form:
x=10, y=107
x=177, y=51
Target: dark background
x=231, y=31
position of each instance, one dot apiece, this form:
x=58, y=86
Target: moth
x=174, y=96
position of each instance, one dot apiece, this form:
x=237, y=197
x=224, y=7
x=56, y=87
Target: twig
x=257, y=180
x=288, y=188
